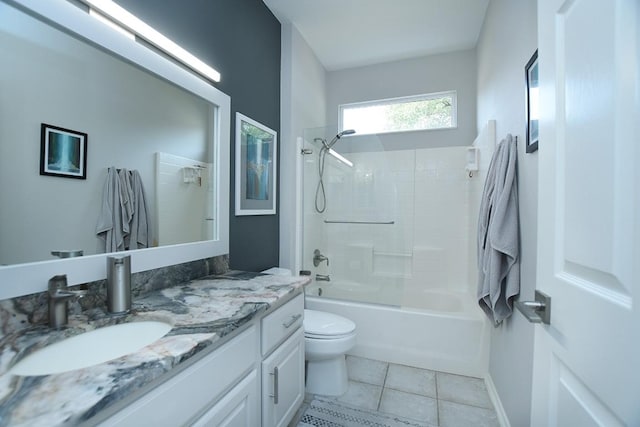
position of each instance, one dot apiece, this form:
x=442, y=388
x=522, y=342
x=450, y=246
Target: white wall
x=435, y=73
x=120, y=108
x=303, y=105
x=507, y=41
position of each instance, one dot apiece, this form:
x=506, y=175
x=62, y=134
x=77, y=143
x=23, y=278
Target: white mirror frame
x=23, y=279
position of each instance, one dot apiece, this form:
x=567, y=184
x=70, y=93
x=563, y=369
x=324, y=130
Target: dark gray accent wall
x=241, y=39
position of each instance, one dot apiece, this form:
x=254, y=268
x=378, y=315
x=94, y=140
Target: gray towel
x=140, y=234
x=109, y=227
x=124, y=220
x=126, y=199
x=499, y=235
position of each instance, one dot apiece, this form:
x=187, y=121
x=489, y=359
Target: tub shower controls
x=318, y=258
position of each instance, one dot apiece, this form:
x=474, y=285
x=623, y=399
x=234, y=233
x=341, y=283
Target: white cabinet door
x=239, y=408
x=283, y=381
x=586, y=361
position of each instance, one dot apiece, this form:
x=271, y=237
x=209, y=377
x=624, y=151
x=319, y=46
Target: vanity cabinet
x=283, y=363
x=255, y=378
x=222, y=385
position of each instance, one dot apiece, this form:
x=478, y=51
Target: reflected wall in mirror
x=130, y=116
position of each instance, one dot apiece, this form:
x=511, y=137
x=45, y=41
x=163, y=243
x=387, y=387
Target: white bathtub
x=448, y=333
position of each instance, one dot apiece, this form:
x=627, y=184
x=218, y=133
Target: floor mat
x=328, y=413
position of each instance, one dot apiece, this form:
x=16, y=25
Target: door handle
x=538, y=311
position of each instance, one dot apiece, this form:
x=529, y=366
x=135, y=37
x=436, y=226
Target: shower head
x=338, y=136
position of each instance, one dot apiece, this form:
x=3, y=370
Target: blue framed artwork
x=256, y=153
x=63, y=152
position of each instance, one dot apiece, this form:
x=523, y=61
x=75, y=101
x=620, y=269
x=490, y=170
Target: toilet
x=327, y=338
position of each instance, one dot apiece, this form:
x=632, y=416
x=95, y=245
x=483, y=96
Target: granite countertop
x=202, y=312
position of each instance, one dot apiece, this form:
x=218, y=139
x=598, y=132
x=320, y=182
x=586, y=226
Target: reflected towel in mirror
x=124, y=219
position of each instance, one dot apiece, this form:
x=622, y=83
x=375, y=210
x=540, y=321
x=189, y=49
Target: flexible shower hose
x=320, y=187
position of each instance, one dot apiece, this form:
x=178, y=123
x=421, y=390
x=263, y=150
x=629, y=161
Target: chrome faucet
x=318, y=258
x=59, y=294
x=323, y=278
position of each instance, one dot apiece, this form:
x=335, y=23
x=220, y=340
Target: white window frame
x=401, y=100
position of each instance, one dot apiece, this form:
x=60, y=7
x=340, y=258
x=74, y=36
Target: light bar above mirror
x=134, y=25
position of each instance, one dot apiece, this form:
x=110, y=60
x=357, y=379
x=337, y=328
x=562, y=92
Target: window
x=421, y=112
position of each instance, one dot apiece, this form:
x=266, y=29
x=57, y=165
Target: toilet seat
x=322, y=325
x=327, y=337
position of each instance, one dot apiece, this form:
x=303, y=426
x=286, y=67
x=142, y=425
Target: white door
x=587, y=361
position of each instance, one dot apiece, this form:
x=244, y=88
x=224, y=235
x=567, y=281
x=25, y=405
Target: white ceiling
x=353, y=33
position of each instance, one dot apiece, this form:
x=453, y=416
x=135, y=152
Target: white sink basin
x=91, y=348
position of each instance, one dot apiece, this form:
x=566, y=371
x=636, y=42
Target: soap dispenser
x=119, y=284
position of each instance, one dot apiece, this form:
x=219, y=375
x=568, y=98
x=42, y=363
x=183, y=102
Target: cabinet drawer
x=277, y=326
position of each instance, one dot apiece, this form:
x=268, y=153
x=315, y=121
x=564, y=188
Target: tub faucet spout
x=323, y=278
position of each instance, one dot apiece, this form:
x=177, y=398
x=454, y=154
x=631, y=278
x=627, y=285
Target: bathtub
x=448, y=332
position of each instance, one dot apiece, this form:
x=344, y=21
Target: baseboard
x=497, y=404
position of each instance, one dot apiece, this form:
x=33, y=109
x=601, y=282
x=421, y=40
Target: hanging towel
x=126, y=200
x=109, y=227
x=140, y=234
x=498, y=235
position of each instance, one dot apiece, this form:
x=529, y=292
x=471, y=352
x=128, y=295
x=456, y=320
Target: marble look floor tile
x=457, y=415
x=366, y=370
x=461, y=389
x=411, y=380
x=362, y=395
x=409, y=405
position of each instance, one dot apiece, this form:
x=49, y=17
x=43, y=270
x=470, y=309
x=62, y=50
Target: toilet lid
x=318, y=324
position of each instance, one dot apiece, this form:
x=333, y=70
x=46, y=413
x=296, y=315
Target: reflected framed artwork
x=256, y=156
x=532, y=80
x=63, y=152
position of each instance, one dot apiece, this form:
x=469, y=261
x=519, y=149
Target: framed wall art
x=256, y=156
x=532, y=81
x=63, y=152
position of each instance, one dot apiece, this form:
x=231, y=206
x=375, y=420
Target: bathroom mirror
x=139, y=110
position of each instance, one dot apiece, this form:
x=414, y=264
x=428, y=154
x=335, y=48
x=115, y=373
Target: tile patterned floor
x=438, y=398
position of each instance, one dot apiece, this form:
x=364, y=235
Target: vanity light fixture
x=100, y=17
x=107, y=9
